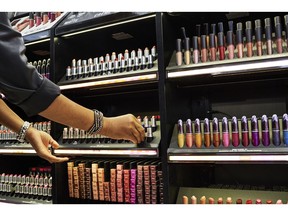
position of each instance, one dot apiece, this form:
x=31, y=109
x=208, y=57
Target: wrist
x=98, y=123
x=23, y=131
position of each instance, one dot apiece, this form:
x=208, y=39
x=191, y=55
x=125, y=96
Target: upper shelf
x=246, y=67
x=77, y=22
x=37, y=29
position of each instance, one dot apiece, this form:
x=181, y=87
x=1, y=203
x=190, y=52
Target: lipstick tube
x=278, y=34
x=249, y=45
x=258, y=201
x=38, y=19
x=203, y=200
x=239, y=201
x=244, y=128
x=258, y=37
x=225, y=132
x=216, y=133
x=204, y=53
x=220, y=200
x=179, y=58
x=113, y=55
x=229, y=200
x=146, y=53
x=285, y=129
x=150, y=63
x=193, y=200
x=212, y=47
x=207, y=136
x=235, y=131
x=230, y=45
x=221, y=47
x=211, y=200
x=275, y=130
x=265, y=131
x=185, y=200
x=180, y=134
x=129, y=66
x=31, y=20
x=255, y=131
x=187, y=52
x=153, y=53
x=143, y=63
x=45, y=18
x=269, y=202
x=198, y=136
x=286, y=30
x=239, y=41
x=136, y=64
x=268, y=36
x=195, y=49
x=189, y=135
x=249, y=201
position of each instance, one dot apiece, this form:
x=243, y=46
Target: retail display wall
x=210, y=89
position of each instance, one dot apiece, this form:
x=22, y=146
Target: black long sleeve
x=20, y=82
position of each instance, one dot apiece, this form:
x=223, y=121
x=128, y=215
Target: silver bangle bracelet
x=22, y=133
x=98, y=123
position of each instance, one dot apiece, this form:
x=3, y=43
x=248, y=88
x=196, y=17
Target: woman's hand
x=41, y=142
x=125, y=127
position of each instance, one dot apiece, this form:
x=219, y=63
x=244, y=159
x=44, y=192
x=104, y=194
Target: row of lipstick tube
x=242, y=131
x=220, y=46
x=112, y=64
x=229, y=200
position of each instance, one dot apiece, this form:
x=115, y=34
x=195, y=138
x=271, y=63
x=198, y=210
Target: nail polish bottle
x=285, y=129
x=275, y=130
x=235, y=132
x=255, y=131
x=189, y=135
x=180, y=134
x=265, y=131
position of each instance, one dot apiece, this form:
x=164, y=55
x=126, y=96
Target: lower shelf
x=22, y=200
x=234, y=194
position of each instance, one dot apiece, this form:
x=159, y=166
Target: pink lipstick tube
x=235, y=132
x=225, y=132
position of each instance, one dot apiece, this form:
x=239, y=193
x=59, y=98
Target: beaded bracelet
x=21, y=135
x=98, y=122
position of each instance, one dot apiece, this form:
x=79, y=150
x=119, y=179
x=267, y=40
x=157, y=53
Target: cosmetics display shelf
x=42, y=31
x=250, y=153
x=234, y=194
x=76, y=22
x=16, y=148
x=102, y=146
x=245, y=68
x=112, y=80
x=22, y=200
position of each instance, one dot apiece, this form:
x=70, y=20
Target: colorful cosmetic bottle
x=230, y=45
x=239, y=41
x=275, y=130
x=225, y=132
x=204, y=52
x=212, y=47
x=285, y=129
x=216, y=133
x=207, y=136
x=245, y=133
x=268, y=36
x=235, y=131
x=278, y=34
x=187, y=52
x=249, y=44
x=189, y=135
x=179, y=58
x=258, y=37
x=221, y=47
x=265, y=131
x=286, y=29
x=198, y=135
x=255, y=131
x=196, y=52
x=180, y=134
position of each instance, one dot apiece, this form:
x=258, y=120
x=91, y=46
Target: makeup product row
x=112, y=64
x=229, y=200
x=117, y=181
x=36, y=185
x=72, y=135
x=234, y=132
x=43, y=67
x=7, y=135
x=36, y=21
x=243, y=42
